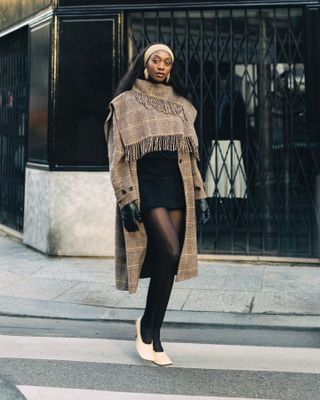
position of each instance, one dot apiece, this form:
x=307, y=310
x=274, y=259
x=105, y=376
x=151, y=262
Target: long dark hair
x=135, y=71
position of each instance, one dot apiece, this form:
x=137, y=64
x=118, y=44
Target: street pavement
x=67, y=333
x=115, y=368
x=34, y=284
x=8, y=391
x=75, y=368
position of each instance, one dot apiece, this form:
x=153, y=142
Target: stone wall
x=13, y=11
x=69, y=213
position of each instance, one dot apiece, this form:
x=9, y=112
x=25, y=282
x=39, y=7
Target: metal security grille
x=13, y=118
x=245, y=72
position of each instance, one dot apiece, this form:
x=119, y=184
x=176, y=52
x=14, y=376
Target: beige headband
x=155, y=47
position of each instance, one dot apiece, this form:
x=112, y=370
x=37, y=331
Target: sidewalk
x=33, y=284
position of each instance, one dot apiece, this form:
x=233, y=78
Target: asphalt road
x=309, y=338
x=49, y=353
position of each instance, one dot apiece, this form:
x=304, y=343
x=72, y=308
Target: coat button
x=198, y=188
x=123, y=191
x=180, y=161
x=130, y=188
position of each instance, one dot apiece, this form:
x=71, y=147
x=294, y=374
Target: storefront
x=251, y=70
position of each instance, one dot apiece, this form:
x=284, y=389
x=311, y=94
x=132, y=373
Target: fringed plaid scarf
x=151, y=117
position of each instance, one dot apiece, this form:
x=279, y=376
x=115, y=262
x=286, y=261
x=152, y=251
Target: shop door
x=13, y=123
x=245, y=71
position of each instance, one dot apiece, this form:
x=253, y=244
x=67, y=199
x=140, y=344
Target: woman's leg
x=177, y=219
x=166, y=230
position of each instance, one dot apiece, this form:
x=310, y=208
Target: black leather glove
x=130, y=215
x=203, y=211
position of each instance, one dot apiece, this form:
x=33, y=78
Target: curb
x=49, y=309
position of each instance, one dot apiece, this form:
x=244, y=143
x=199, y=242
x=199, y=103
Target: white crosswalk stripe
x=185, y=355
x=47, y=393
x=109, y=353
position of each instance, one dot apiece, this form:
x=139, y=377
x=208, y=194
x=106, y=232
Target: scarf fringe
x=162, y=105
x=161, y=143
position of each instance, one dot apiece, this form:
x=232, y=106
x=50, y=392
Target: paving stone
x=48, y=308
x=287, y=303
x=88, y=266
x=77, y=276
x=213, y=268
x=22, y=269
x=290, y=279
x=138, y=300
x=144, y=283
x=6, y=278
x=178, y=298
x=244, y=280
x=96, y=263
x=36, y=288
x=98, y=294
x=87, y=270
x=245, y=268
x=202, y=282
x=218, y=301
x=210, y=277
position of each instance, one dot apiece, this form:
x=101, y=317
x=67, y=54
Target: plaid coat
x=132, y=260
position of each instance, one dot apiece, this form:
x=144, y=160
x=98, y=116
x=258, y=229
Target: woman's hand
x=130, y=215
x=202, y=211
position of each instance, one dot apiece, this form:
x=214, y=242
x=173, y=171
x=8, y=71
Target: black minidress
x=160, y=182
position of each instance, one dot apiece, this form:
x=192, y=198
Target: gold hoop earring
x=146, y=74
x=168, y=78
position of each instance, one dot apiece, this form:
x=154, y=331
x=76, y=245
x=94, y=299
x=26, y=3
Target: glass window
x=39, y=92
x=85, y=86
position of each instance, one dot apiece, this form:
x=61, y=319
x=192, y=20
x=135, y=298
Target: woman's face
x=159, y=65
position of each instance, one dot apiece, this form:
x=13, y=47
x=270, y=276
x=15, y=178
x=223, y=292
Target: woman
x=153, y=151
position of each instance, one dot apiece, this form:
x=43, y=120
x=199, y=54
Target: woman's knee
x=172, y=254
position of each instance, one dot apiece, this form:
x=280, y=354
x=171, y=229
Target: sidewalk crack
x=65, y=291
x=186, y=299
x=250, y=307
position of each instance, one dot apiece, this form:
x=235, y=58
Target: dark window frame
x=55, y=159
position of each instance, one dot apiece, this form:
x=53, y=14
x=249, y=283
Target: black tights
x=165, y=230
